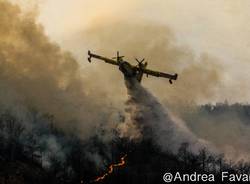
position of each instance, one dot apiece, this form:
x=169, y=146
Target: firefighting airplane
x=130, y=70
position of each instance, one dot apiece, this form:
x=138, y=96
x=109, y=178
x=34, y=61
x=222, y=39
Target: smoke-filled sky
x=220, y=29
x=205, y=43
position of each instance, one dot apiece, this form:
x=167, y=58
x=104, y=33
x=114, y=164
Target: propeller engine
x=118, y=57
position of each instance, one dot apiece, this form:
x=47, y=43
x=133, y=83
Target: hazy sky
x=219, y=27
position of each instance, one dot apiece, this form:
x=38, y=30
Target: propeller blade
x=139, y=62
x=89, y=58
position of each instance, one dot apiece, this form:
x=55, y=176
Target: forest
x=40, y=152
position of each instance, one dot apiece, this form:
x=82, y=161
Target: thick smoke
x=36, y=74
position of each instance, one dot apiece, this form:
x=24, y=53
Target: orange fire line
x=111, y=169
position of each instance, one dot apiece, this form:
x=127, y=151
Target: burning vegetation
x=111, y=169
x=36, y=151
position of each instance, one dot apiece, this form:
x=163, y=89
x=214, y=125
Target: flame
x=111, y=169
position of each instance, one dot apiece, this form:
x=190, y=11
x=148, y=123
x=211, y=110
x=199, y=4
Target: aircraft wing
x=160, y=74
x=106, y=60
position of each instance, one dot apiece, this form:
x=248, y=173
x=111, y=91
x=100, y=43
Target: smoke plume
x=38, y=74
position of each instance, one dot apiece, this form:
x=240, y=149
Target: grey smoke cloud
x=36, y=73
